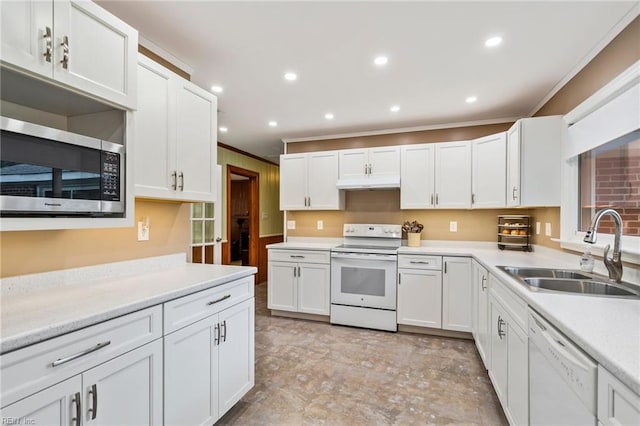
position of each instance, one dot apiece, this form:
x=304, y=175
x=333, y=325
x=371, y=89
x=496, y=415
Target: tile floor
x=314, y=373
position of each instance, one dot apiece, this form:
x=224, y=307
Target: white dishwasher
x=562, y=378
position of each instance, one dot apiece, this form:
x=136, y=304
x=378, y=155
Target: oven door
x=364, y=279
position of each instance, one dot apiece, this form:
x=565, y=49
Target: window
x=202, y=233
x=610, y=177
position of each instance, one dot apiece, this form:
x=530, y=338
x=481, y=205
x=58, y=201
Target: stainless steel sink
x=570, y=281
x=589, y=286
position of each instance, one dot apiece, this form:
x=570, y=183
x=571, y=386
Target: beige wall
x=269, y=190
x=27, y=252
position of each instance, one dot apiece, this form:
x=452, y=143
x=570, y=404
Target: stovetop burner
x=370, y=238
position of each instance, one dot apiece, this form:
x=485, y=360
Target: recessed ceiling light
x=329, y=116
x=471, y=99
x=493, y=41
x=223, y=129
x=394, y=108
x=381, y=60
x=273, y=123
x=216, y=89
x=291, y=76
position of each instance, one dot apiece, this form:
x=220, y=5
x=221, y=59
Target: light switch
x=547, y=229
x=291, y=224
x=453, y=226
x=320, y=225
x=537, y=228
x=265, y=215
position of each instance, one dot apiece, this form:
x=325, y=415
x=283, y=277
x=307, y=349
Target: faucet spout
x=614, y=263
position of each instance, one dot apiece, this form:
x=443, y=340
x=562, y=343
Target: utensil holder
x=413, y=239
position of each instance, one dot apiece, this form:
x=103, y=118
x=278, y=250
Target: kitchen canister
x=413, y=239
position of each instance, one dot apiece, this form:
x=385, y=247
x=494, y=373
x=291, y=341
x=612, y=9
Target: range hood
x=388, y=182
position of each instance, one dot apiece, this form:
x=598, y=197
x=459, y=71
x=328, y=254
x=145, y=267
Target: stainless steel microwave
x=51, y=172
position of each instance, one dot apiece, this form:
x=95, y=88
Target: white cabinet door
x=617, y=404
x=482, y=313
x=517, y=374
x=196, y=143
x=417, y=184
x=293, y=181
x=126, y=390
x=384, y=162
x=322, y=168
x=453, y=175
x=513, y=165
x=353, y=163
x=191, y=374
x=282, y=286
x=420, y=298
x=456, y=294
x=313, y=288
x=58, y=405
x=489, y=156
x=155, y=129
x=499, y=350
x=24, y=27
x=236, y=354
x=102, y=51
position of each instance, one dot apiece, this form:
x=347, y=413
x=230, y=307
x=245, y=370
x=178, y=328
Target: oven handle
x=366, y=256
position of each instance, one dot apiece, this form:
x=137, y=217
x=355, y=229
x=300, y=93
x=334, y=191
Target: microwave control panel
x=110, y=176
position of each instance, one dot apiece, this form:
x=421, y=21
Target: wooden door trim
x=254, y=210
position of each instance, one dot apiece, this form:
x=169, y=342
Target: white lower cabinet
x=617, y=404
x=299, y=281
x=420, y=297
x=209, y=364
x=124, y=391
x=509, y=353
x=456, y=294
x=480, y=302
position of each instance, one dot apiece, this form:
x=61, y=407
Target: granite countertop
x=606, y=328
x=41, y=306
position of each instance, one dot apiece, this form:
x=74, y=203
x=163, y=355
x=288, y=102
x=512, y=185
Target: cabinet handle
x=181, y=175
x=295, y=271
x=366, y=172
x=216, y=335
x=296, y=256
x=500, y=323
x=445, y=267
x=299, y=272
x=484, y=287
x=473, y=198
x=78, y=404
x=61, y=361
x=94, y=400
x=399, y=278
x=48, y=44
x=309, y=205
x=513, y=193
x=436, y=199
x=174, y=179
x=213, y=302
x=431, y=199
x=65, y=52
x=369, y=169
x=224, y=325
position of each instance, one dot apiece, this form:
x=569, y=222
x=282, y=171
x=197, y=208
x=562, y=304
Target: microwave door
x=113, y=166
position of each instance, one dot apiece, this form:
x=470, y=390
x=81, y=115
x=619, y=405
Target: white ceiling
x=436, y=52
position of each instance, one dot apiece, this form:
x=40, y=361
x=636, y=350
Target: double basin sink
x=569, y=281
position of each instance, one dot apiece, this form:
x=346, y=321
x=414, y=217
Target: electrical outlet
x=320, y=225
x=453, y=226
x=547, y=229
x=143, y=231
x=291, y=224
x=537, y=228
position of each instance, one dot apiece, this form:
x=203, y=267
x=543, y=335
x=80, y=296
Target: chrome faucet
x=613, y=264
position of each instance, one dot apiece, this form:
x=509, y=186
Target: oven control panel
x=372, y=230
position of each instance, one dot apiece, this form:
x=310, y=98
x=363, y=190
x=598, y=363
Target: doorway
x=242, y=217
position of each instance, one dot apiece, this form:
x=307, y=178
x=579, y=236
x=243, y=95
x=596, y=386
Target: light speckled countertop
x=608, y=329
x=41, y=306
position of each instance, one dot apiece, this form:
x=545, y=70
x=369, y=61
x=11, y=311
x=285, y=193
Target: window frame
x=571, y=237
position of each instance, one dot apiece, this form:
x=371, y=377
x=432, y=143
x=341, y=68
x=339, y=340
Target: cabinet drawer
x=514, y=306
x=416, y=261
x=26, y=371
x=189, y=309
x=303, y=256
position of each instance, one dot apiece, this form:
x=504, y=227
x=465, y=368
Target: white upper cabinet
x=308, y=182
x=375, y=167
x=76, y=43
x=417, y=184
x=533, y=162
x=436, y=175
x=176, y=137
x=453, y=175
x=489, y=169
